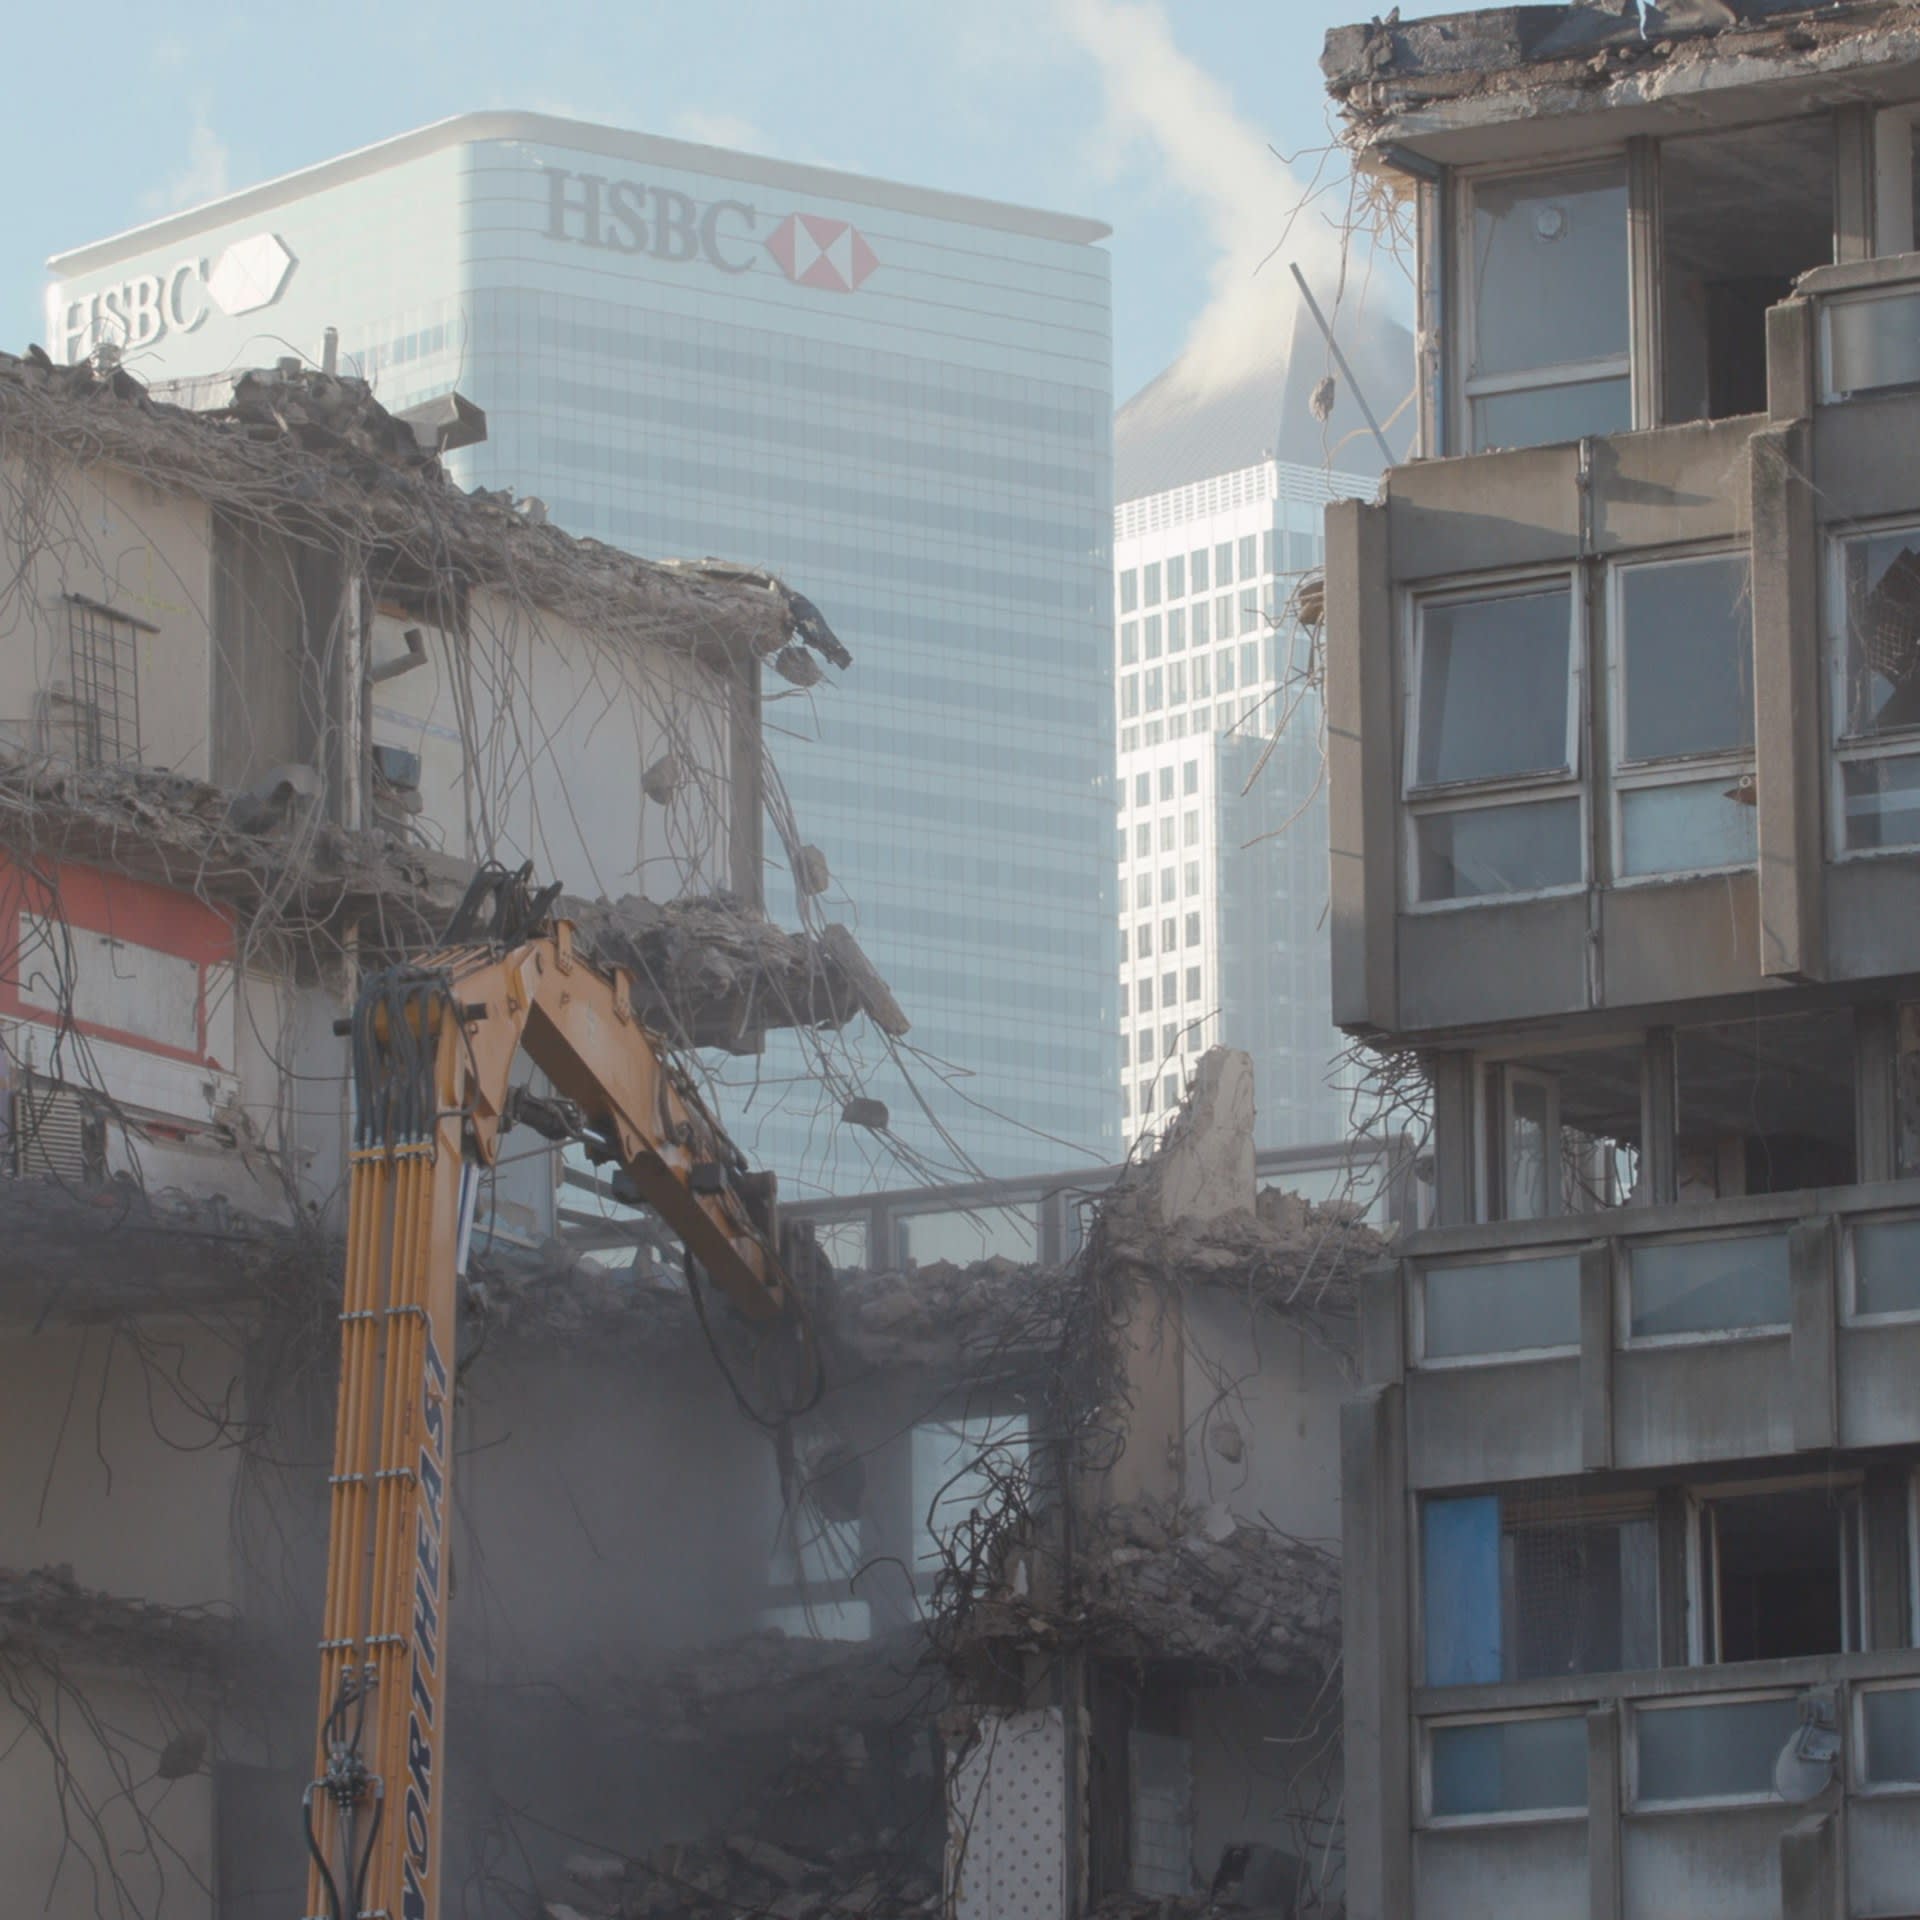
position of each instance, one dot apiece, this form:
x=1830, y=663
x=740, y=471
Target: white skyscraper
x=1222, y=831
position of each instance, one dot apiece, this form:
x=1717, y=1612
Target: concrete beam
x=1810, y=1876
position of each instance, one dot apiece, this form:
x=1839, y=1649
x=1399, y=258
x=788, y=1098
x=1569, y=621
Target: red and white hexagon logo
x=814, y=251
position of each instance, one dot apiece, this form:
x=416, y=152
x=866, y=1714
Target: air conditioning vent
x=57, y=1133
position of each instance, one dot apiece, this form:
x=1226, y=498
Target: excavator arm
x=434, y=1045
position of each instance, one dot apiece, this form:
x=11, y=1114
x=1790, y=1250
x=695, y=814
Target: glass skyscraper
x=898, y=399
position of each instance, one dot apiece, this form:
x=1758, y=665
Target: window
x=1522, y=1587
x=1890, y=1730
x=1721, y=269
x=1270, y=552
x=1481, y=1308
x=1153, y=636
x=1197, y=566
x=1190, y=827
x=1874, y=661
x=1546, y=307
x=1129, y=591
x=1150, y=584
x=1193, y=983
x=1142, y=839
x=1780, y=1573
x=1223, y=670
x=1177, y=684
x=1142, y=789
x=1249, y=660
x=1129, y=696
x=1169, y=991
x=1166, y=832
x=1720, y=1750
x=1176, y=630
x=1129, y=643
x=1123, y=946
x=1249, y=556
x=1146, y=1098
x=1154, y=687
x=1886, y=1267
x=1482, y=1768
x=1683, y=716
x=1494, y=696
x=1143, y=995
x=1124, y=1049
x=1169, y=1041
x=1223, y=564
x=1192, y=878
x=1708, y=1286
x=1170, y=1089
x=1202, y=690
x=1143, y=941
x=1168, y=930
x=1166, y=783
x=1193, y=929
x=1126, y=1103
x=1223, y=617
x=1202, y=627
x=104, y=689
x=1166, y=885
x=1177, y=577
x=1143, y=890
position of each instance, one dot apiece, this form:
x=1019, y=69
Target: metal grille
x=55, y=1134
x=106, y=682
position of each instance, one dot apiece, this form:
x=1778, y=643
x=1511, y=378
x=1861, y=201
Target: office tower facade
x=898, y=399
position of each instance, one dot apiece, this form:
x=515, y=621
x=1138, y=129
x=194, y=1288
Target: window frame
x=1850, y=1312
x=1626, y=776
x=1463, y=385
x=1844, y=750
x=1860, y=1781
x=1418, y=1357
x=1627, y=1341
x=1418, y=803
x=1630, y=1754
x=1427, y=1819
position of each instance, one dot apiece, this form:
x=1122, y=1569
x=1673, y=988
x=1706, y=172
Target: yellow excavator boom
x=434, y=1044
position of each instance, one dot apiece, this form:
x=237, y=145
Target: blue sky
x=1156, y=118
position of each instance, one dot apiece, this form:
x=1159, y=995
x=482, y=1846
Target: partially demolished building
x=1033, y=1607
x=1622, y=676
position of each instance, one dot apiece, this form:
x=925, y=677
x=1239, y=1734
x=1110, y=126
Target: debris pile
x=1192, y=1586
x=745, y=1877
x=46, y=1613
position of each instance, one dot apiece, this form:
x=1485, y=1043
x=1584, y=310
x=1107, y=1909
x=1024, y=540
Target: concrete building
x=902, y=396
x=1219, y=491
x=1624, y=848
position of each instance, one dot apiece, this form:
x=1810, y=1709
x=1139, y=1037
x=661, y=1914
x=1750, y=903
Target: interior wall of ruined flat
x=117, y=540
x=160, y=1836
x=532, y=734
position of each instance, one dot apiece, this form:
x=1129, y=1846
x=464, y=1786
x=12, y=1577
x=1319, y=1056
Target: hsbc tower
x=898, y=398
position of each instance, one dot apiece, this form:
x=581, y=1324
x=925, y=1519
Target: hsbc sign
x=149, y=307
x=627, y=216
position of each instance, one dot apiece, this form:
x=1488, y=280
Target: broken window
x=1684, y=715
x=1546, y=314
x=1718, y=1750
x=1724, y=263
x=1875, y=664
x=1481, y=1308
x=1494, y=701
x=1709, y=1286
x=1765, y=1106
x=1779, y=1572
x=1531, y=1583
x=1480, y=1768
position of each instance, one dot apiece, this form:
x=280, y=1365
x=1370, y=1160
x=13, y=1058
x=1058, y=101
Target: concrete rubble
x=45, y=1613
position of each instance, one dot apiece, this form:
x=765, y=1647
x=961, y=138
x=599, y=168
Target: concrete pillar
x=1374, y=1620
x=888, y=1532
x=1596, y=1355
x=1810, y=1871
x=1453, y=1138
x=1810, y=1261
x=1603, y=1813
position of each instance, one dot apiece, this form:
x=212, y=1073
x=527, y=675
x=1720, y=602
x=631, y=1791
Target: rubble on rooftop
x=316, y=453
x=1394, y=77
x=46, y=1613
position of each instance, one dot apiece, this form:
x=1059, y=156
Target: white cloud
x=203, y=175
x=718, y=128
x=1247, y=197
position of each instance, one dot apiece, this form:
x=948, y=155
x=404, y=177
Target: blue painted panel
x=1461, y=1588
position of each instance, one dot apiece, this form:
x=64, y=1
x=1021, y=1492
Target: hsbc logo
x=627, y=216
x=149, y=307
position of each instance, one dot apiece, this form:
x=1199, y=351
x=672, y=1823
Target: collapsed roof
x=1444, y=86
